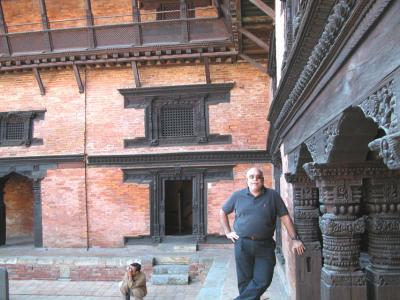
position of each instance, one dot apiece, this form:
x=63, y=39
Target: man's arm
x=298, y=245
x=223, y=219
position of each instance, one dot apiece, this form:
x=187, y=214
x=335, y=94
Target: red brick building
x=127, y=119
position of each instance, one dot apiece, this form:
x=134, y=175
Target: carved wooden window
x=16, y=128
x=177, y=115
x=177, y=121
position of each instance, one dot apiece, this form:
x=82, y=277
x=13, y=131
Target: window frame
x=27, y=118
x=152, y=100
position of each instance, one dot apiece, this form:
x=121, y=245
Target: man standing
x=134, y=283
x=256, y=209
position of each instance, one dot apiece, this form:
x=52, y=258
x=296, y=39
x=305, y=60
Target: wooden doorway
x=178, y=207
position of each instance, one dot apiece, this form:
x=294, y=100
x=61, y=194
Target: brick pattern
x=64, y=208
x=18, y=199
x=116, y=209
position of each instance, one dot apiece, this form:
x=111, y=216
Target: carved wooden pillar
x=2, y=214
x=277, y=162
x=90, y=24
x=45, y=25
x=136, y=19
x=306, y=216
x=383, y=205
x=184, y=21
x=3, y=33
x=38, y=228
x=340, y=193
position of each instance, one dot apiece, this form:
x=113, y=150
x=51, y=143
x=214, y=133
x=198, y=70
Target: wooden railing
x=164, y=32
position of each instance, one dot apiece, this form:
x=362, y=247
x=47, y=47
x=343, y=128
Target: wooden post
x=3, y=32
x=45, y=26
x=184, y=22
x=136, y=20
x=89, y=24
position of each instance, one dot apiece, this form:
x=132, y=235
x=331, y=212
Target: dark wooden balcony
x=180, y=33
x=133, y=35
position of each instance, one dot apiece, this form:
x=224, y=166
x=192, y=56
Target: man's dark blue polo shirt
x=255, y=216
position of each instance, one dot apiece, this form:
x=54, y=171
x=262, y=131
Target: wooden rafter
x=3, y=31
x=264, y=7
x=254, y=38
x=207, y=70
x=254, y=63
x=135, y=71
x=39, y=81
x=90, y=23
x=45, y=24
x=78, y=79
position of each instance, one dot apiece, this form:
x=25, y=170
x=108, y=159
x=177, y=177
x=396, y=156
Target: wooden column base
x=383, y=284
x=342, y=285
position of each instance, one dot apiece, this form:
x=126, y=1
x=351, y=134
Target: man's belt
x=255, y=238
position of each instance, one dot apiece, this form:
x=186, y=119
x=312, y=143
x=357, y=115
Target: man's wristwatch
x=296, y=237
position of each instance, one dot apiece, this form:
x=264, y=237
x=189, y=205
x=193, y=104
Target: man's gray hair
x=256, y=169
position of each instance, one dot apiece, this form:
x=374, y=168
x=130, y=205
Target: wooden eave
x=340, y=48
x=309, y=32
x=215, y=51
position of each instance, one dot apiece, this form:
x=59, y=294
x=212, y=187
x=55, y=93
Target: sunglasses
x=257, y=177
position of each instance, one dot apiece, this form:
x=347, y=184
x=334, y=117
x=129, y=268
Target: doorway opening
x=178, y=207
x=16, y=210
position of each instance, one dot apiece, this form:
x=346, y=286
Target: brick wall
x=244, y=117
x=116, y=209
x=18, y=198
x=64, y=208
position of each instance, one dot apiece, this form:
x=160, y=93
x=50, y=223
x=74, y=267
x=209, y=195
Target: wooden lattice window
x=177, y=121
x=16, y=128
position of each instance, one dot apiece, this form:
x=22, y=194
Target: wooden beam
x=207, y=70
x=135, y=71
x=136, y=19
x=39, y=81
x=78, y=79
x=90, y=24
x=264, y=7
x=254, y=38
x=184, y=22
x=3, y=32
x=254, y=63
x=45, y=25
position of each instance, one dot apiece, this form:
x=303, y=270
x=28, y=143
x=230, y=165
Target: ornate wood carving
x=363, y=18
x=195, y=97
x=181, y=159
x=381, y=106
x=156, y=177
x=306, y=212
x=330, y=143
x=383, y=224
x=340, y=193
x=341, y=13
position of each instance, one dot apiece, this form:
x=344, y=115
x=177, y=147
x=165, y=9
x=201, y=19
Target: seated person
x=134, y=283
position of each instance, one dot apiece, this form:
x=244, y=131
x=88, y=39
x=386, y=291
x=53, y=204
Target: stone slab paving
x=220, y=283
x=93, y=290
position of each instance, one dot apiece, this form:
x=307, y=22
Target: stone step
x=171, y=269
x=172, y=260
x=169, y=279
x=187, y=247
